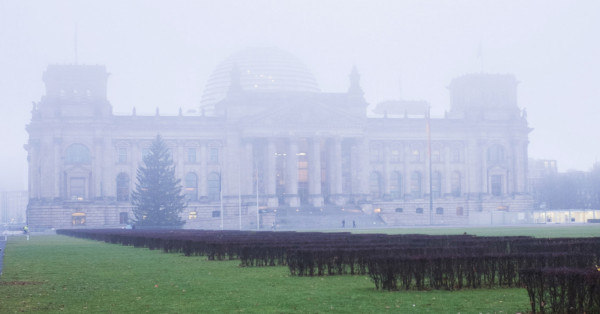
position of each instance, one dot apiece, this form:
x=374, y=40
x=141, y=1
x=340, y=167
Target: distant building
x=268, y=135
x=13, y=205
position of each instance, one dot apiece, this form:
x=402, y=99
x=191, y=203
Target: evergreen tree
x=157, y=197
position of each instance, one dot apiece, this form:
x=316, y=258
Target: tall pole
x=221, y=193
x=257, y=210
x=240, y=191
x=428, y=128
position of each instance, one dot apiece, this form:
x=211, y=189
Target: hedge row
x=562, y=290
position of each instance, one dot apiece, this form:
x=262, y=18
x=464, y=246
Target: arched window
x=376, y=152
x=495, y=154
x=396, y=184
x=375, y=185
x=191, y=186
x=415, y=153
x=214, y=186
x=122, y=187
x=395, y=153
x=436, y=184
x=455, y=182
x=415, y=184
x=456, y=154
x=77, y=154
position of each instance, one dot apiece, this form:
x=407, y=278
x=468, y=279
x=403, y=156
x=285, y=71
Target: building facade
x=267, y=138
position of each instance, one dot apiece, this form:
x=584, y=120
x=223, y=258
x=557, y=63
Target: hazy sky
x=160, y=54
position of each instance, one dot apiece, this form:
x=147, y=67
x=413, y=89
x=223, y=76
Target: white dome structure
x=262, y=69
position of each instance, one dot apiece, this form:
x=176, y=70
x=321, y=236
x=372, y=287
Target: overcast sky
x=161, y=53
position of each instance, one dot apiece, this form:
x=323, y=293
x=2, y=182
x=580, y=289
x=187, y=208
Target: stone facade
x=262, y=150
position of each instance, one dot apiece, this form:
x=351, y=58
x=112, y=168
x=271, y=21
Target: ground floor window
x=123, y=218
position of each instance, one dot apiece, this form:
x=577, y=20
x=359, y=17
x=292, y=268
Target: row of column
x=254, y=151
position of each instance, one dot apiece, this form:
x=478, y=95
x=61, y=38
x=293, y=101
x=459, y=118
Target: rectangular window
x=459, y=211
x=399, y=210
x=419, y=210
x=191, y=155
x=123, y=218
x=122, y=155
x=213, y=154
x=216, y=213
x=439, y=211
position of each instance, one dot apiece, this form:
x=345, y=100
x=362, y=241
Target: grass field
x=61, y=274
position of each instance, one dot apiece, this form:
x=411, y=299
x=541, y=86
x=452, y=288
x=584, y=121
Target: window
x=496, y=183
x=77, y=189
x=455, y=184
x=395, y=153
x=395, y=185
x=415, y=184
x=77, y=154
x=214, y=186
x=191, y=186
x=495, y=154
x=419, y=210
x=375, y=185
x=122, y=155
x=122, y=187
x=399, y=210
x=216, y=213
x=213, y=154
x=456, y=154
x=459, y=211
x=376, y=152
x=439, y=211
x=123, y=218
x=436, y=155
x=415, y=155
x=191, y=155
x=192, y=215
x=436, y=184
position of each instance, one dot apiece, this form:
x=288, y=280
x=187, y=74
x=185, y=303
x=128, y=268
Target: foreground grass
x=62, y=274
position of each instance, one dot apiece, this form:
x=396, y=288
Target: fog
x=161, y=53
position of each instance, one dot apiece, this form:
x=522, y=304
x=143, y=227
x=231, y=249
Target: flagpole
x=240, y=192
x=221, y=193
x=257, y=210
x=428, y=128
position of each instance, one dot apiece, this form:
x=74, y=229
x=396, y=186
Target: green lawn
x=62, y=274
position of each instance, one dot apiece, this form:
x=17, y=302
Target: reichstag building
x=266, y=139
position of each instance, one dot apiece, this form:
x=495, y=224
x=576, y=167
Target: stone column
x=314, y=177
x=385, y=175
x=447, y=173
x=365, y=168
x=336, y=172
x=203, y=173
x=291, y=180
x=271, y=175
x=248, y=168
x=59, y=187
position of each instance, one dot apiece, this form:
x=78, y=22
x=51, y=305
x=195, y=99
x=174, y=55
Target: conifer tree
x=157, y=197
